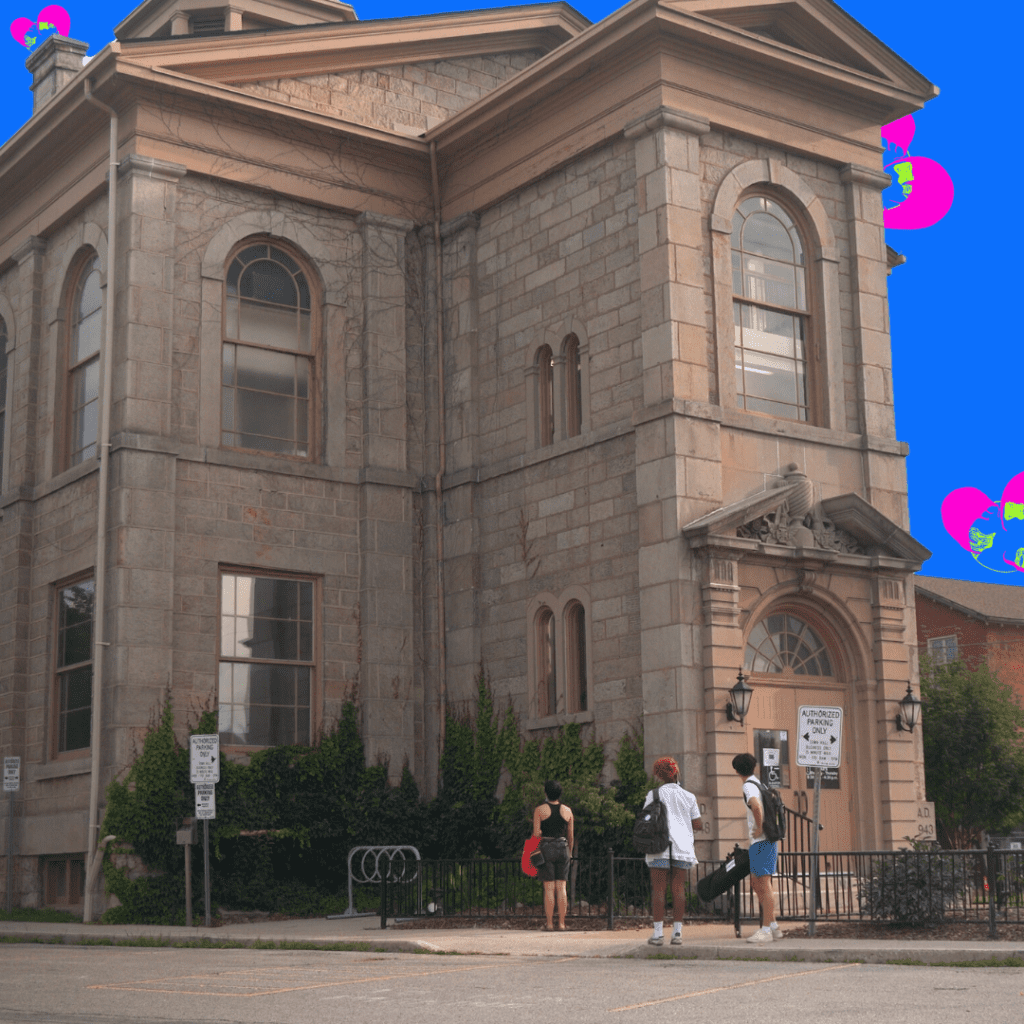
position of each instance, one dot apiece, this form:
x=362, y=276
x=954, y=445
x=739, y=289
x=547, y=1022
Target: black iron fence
x=904, y=887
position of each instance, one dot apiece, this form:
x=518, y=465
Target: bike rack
x=369, y=867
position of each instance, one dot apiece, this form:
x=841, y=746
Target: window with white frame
x=268, y=353
x=83, y=380
x=267, y=659
x=771, y=314
x=943, y=649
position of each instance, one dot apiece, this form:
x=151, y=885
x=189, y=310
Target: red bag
x=529, y=846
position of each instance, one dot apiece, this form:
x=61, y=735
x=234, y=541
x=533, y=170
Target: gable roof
x=999, y=603
x=151, y=15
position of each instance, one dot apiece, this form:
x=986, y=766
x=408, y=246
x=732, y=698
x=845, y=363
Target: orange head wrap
x=666, y=769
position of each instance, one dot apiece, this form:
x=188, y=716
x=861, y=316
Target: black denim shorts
x=556, y=861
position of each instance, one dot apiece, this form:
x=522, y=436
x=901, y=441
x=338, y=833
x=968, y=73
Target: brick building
x=491, y=338
x=975, y=622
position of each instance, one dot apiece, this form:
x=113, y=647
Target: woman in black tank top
x=553, y=823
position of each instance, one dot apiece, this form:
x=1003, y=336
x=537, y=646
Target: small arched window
x=547, y=683
x=770, y=310
x=268, y=356
x=573, y=386
x=782, y=643
x=545, y=396
x=576, y=656
x=83, y=389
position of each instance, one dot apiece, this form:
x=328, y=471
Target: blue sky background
x=958, y=380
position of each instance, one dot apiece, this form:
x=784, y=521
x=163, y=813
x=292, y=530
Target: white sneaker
x=777, y=933
x=760, y=936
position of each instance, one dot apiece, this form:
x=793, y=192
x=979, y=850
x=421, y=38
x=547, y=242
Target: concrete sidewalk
x=700, y=941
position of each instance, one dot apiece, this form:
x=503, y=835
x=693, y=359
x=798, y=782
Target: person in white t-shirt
x=678, y=857
x=763, y=853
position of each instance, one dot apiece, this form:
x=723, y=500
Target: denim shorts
x=663, y=862
x=763, y=857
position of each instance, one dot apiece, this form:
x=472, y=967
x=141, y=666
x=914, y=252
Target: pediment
x=784, y=516
x=343, y=45
x=815, y=27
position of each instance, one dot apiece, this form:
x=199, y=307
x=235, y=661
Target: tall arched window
x=83, y=390
x=269, y=353
x=576, y=656
x=573, y=386
x=3, y=397
x=782, y=643
x=547, y=683
x=545, y=396
x=770, y=310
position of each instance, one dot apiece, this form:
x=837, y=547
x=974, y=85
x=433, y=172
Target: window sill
x=59, y=769
x=553, y=721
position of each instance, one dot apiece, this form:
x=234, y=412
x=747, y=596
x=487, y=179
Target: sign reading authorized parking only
x=819, y=737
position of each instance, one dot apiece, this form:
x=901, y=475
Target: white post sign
x=12, y=774
x=819, y=737
x=206, y=801
x=204, y=760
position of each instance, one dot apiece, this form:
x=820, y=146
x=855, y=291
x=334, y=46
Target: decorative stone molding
x=150, y=167
x=855, y=174
x=666, y=117
x=810, y=530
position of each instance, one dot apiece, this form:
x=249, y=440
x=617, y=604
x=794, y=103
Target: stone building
x=650, y=255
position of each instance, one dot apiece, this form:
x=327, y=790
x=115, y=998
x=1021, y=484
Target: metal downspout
x=442, y=652
x=103, y=451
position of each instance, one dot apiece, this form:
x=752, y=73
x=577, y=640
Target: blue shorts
x=663, y=862
x=763, y=858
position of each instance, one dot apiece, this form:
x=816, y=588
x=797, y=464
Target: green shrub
x=912, y=888
x=308, y=806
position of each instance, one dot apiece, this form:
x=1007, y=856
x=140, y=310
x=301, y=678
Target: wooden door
x=774, y=708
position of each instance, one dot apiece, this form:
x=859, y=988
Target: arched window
x=547, y=683
x=83, y=382
x=576, y=656
x=770, y=310
x=269, y=353
x=573, y=386
x=3, y=397
x=783, y=643
x=545, y=403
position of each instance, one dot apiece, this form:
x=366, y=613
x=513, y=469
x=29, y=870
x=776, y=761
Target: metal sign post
x=819, y=745
x=204, y=772
x=12, y=783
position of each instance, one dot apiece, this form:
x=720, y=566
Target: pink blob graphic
x=928, y=202
x=56, y=16
x=19, y=28
x=900, y=132
x=1014, y=490
x=960, y=509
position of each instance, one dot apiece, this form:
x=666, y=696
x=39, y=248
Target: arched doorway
x=789, y=664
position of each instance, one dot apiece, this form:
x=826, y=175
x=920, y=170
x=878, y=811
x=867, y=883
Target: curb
x=227, y=942
x=825, y=954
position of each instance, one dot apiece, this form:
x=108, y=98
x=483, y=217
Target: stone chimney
x=52, y=66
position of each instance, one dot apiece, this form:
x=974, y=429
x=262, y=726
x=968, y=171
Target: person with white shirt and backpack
x=763, y=851
x=678, y=857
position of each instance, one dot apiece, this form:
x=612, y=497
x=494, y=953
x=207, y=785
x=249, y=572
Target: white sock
x=766, y=928
x=677, y=927
x=658, y=929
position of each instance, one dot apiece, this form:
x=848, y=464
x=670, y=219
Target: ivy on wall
x=309, y=805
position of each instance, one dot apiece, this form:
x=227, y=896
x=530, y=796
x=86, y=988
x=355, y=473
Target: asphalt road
x=99, y=985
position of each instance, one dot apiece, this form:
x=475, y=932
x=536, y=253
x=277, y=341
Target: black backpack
x=650, y=833
x=774, y=824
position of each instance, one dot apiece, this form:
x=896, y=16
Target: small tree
x=973, y=752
